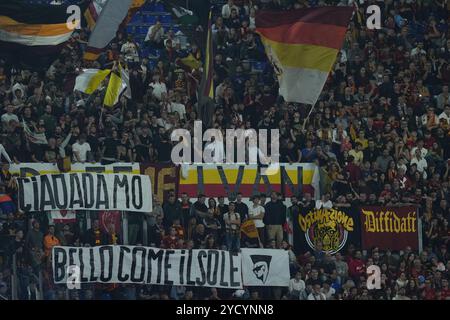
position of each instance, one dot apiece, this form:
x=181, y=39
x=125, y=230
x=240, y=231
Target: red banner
x=392, y=228
x=164, y=177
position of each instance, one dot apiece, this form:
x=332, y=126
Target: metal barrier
x=14, y=287
x=41, y=285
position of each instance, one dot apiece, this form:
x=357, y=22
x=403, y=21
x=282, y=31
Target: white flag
x=265, y=267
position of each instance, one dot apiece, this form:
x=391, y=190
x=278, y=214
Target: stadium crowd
x=380, y=134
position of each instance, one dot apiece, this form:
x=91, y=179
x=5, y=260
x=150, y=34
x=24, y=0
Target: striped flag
x=32, y=33
x=302, y=45
x=90, y=80
x=94, y=9
x=40, y=34
x=111, y=16
x=93, y=12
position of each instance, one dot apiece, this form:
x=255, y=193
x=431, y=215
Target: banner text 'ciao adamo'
x=85, y=191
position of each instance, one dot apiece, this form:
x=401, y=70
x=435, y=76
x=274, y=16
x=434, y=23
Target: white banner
x=119, y=167
x=265, y=267
x=144, y=265
x=85, y=191
x=35, y=169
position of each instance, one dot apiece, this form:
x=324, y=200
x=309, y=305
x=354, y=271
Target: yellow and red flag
x=303, y=45
x=249, y=229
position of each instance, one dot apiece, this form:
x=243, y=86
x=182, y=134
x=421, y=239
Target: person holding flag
x=119, y=82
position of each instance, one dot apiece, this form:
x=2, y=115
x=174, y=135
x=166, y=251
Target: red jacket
x=356, y=267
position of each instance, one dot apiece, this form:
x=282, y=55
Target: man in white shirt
x=220, y=89
x=420, y=162
x=130, y=50
x=418, y=49
x=423, y=151
x=445, y=115
x=324, y=203
x=328, y=291
x=164, y=122
x=297, y=286
x=155, y=35
x=316, y=294
x=159, y=88
x=226, y=9
x=80, y=149
x=256, y=213
x=171, y=40
x=178, y=107
x=9, y=115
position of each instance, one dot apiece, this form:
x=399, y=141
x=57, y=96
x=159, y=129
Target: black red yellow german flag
x=302, y=46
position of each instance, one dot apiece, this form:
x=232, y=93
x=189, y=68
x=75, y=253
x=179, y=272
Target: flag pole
x=309, y=115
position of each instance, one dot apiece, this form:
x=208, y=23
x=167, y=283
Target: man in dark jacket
x=95, y=236
x=172, y=210
x=274, y=219
x=35, y=238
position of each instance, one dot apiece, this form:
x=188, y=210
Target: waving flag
x=93, y=12
x=111, y=16
x=205, y=102
x=90, y=80
x=302, y=45
x=207, y=83
x=32, y=34
x=119, y=82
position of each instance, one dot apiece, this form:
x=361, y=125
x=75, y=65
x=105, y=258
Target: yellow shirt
x=358, y=155
x=364, y=142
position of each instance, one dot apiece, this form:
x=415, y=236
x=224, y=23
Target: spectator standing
x=256, y=213
x=50, y=241
x=81, y=150
x=232, y=221
x=274, y=219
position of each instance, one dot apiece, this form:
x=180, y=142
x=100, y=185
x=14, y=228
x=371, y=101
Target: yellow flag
x=249, y=229
x=191, y=62
x=90, y=79
x=113, y=91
